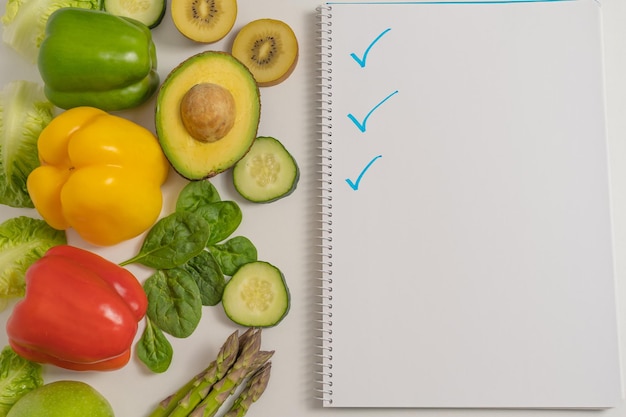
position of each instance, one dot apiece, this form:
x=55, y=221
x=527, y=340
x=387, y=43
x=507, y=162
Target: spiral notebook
x=467, y=256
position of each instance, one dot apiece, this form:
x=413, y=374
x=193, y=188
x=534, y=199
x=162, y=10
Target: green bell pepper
x=93, y=58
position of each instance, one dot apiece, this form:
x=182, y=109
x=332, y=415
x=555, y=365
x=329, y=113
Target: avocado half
x=197, y=159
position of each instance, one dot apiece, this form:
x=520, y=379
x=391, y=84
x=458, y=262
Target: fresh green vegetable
x=24, y=112
x=206, y=272
x=192, y=258
x=148, y=12
x=255, y=387
x=23, y=240
x=267, y=173
x=174, y=303
x=17, y=377
x=204, y=380
x=172, y=241
x=238, y=359
x=257, y=295
x=233, y=253
x=111, y=64
x=224, y=217
x=196, y=194
x=249, y=360
x=154, y=349
x=25, y=22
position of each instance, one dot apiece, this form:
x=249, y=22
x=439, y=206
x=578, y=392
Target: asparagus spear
x=251, y=393
x=248, y=350
x=215, y=371
x=248, y=362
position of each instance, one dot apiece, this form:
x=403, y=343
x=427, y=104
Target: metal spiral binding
x=325, y=132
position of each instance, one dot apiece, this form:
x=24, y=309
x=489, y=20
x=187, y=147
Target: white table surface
x=284, y=232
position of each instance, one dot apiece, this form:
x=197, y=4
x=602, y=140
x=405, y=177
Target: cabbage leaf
x=23, y=240
x=24, y=112
x=25, y=21
x=18, y=377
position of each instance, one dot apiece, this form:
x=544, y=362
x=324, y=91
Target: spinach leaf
x=173, y=240
x=233, y=253
x=174, y=303
x=153, y=348
x=206, y=272
x=224, y=217
x=196, y=194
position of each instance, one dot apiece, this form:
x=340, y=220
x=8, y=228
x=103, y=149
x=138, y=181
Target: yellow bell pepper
x=100, y=174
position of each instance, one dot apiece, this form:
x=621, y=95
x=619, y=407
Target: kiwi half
x=269, y=48
x=205, y=21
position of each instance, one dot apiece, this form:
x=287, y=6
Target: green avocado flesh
x=195, y=159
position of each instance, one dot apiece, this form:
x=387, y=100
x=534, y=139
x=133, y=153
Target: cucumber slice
x=257, y=295
x=148, y=12
x=267, y=173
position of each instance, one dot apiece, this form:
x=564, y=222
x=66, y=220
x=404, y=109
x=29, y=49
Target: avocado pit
x=208, y=112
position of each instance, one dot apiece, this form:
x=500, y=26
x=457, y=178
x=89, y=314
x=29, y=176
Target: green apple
x=62, y=399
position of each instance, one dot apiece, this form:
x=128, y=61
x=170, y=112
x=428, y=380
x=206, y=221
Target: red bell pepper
x=80, y=311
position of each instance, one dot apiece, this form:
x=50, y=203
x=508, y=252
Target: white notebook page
x=471, y=231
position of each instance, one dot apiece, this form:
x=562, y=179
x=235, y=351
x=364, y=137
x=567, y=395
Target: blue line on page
x=450, y=2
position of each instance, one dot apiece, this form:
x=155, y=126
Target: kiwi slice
x=205, y=21
x=269, y=48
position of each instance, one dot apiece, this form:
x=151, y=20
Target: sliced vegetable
x=257, y=295
x=207, y=114
x=100, y=174
x=24, y=112
x=80, y=311
x=148, y=12
x=267, y=173
x=23, y=240
x=25, y=22
x=18, y=377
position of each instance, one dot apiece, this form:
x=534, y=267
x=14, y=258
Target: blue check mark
x=362, y=125
x=362, y=61
x=355, y=185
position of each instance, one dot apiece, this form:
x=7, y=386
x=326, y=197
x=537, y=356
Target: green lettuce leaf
x=24, y=112
x=23, y=240
x=25, y=22
x=18, y=376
